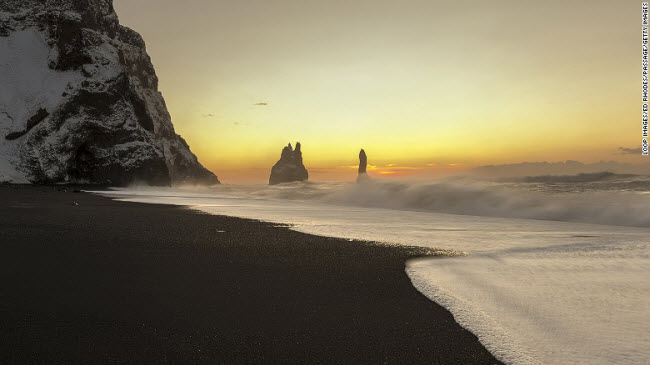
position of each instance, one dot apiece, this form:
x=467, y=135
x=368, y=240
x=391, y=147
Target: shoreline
x=109, y=281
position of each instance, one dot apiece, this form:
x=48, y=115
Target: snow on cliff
x=79, y=100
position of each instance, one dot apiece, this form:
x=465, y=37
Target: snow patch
x=27, y=84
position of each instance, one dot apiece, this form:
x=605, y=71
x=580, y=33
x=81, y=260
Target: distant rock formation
x=289, y=168
x=363, y=164
x=80, y=101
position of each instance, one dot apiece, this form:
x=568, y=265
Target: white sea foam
x=532, y=290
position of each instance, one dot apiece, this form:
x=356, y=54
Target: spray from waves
x=580, y=178
x=468, y=198
x=484, y=199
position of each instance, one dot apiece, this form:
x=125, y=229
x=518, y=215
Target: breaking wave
x=575, y=203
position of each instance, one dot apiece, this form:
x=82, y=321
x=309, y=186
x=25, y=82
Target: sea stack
x=363, y=164
x=289, y=168
x=80, y=101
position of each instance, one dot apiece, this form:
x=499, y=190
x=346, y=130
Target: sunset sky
x=424, y=86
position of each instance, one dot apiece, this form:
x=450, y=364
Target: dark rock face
x=289, y=168
x=363, y=164
x=107, y=123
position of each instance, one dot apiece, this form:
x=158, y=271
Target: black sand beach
x=114, y=282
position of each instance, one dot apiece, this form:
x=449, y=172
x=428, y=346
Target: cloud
x=261, y=104
x=210, y=115
x=629, y=151
x=443, y=165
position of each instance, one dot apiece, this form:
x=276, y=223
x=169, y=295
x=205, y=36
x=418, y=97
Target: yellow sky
x=434, y=85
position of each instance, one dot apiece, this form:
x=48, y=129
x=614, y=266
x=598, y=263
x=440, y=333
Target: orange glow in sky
x=429, y=87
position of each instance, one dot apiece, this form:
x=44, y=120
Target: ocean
x=544, y=270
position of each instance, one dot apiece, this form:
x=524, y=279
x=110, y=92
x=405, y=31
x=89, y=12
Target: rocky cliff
x=290, y=167
x=79, y=100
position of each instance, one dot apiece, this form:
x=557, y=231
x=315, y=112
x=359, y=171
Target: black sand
x=112, y=282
